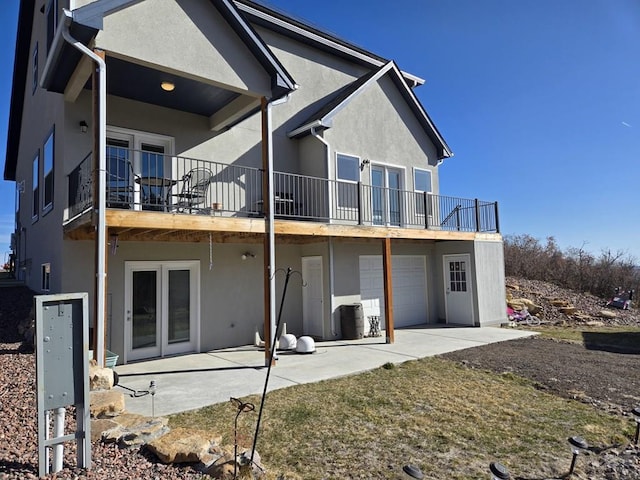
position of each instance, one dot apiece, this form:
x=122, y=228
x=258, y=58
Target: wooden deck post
x=388, y=290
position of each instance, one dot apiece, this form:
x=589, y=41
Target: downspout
x=331, y=269
x=102, y=182
x=272, y=234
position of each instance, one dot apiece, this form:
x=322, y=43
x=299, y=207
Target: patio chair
x=195, y=185
x=120, y=177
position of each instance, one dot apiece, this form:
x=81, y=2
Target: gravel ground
x=19, y=425
x=604, y=379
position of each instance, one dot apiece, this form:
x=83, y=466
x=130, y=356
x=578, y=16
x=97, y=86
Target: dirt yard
x=603, y=378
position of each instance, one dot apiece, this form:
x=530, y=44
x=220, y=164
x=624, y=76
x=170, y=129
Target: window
x=48, y=161
x=348, y=174
x=45, y=275
x=422, y=185
x=36, y=196
x=52, y=21
x=457, y=277
x=34, y=70
x=422, y=179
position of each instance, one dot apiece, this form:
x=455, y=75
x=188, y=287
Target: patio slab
x=189, y=382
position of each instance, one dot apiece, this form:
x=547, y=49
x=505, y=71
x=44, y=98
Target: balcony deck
x=200, y=198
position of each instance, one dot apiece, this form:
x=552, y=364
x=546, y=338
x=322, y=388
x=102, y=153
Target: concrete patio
x=193, y=381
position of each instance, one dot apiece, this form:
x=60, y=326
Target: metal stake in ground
x=273, y=350
x=242, y=407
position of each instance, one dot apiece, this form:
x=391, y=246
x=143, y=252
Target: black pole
x=273, y=349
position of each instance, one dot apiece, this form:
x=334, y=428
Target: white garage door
x=409, y=279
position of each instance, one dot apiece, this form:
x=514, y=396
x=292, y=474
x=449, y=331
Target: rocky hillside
x=561, y=306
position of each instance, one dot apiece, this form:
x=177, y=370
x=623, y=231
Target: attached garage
x=409, y=277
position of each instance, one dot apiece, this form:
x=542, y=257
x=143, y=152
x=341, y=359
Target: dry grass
x=449, y=420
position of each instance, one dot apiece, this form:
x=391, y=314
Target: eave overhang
x=18, y=87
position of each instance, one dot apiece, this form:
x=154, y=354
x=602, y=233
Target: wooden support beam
x=78, y=79
x=232, y=112
x=388, y=290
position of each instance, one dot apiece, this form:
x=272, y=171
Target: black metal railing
x=142, y=180
x=80, y=187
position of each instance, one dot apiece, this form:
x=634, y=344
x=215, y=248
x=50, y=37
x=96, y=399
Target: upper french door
x=143, y=155
x=386, y=200
x=161, y=308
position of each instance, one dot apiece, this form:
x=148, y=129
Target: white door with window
x=312, y=297
x=162, y=304
x=386, y=199
x=458, y=291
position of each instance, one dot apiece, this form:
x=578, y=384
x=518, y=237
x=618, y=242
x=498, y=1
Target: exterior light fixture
x=413, y=471
x=636, y=414
x=246, y=255
x=83, y=126
x=498, y=471
x=168, y=86
x=577, y=444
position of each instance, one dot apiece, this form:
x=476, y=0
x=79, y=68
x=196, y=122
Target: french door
x=161, y=308
x=386, y=200
x=145, y=155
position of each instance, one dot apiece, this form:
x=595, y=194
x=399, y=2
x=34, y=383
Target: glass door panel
x=179, y=314
x=119, y=181
x=377, y=195
x=152, y=176
x=145, y=312
x=394, y=197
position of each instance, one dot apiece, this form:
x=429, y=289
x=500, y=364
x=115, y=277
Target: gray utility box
x=62, y=347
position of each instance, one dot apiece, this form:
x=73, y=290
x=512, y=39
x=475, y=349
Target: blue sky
x=538, y=99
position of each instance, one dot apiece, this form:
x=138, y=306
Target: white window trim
x=429, y=193
x=353, y=182
x=358, y=160
x=34, y=69
x=45, y=273
x=48, y=207
x=35, y=207
x=415, y=187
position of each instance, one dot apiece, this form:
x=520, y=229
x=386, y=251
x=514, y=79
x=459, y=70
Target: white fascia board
x=323, y=40
x=445, y=148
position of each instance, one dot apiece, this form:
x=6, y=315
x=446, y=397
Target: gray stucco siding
x=378, y=125
x=318, y=75
x=490, y=281
x=186, y=36
x=231, y=293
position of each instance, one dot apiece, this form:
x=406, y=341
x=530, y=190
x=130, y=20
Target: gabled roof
x=306, y=33
x=90, y=18
x=323, y=118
